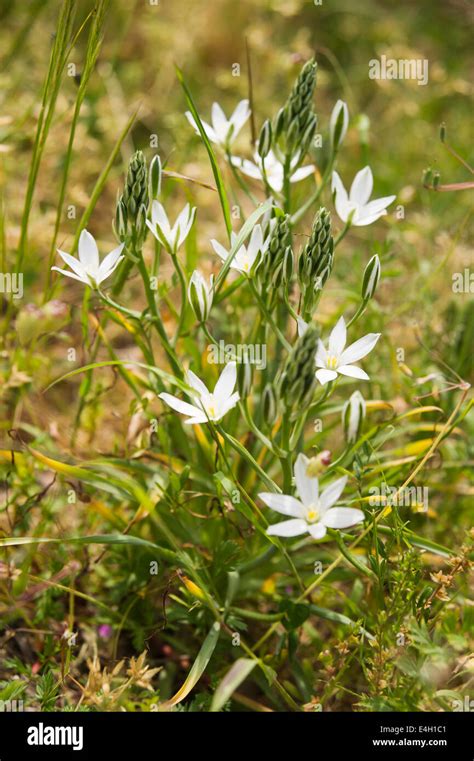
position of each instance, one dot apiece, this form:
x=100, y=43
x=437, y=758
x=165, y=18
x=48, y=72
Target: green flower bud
x=120, y=220
x=245, y=370
x=338, y=123
x=265, y=139
x=269, y=405
x=200, y=295
x=298, y=377
x=353, y=416
x=154, y=176
x=371, y=278
x=442, y=132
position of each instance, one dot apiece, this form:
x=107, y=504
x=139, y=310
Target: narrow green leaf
x=17, y=541
x=198, y=668
x=234, y=677
x=215, y=168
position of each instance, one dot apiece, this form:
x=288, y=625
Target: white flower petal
x=377, y=206
x=359, y=349
x=73, y=263
x=110, y=261
x=342, y=517
x=240, y=116
x=88, y=252
x=331, y=493
x=226, y=383
x=321, y=355
x=283, y=503
x=317, y=530
x=219, y=122
x=228, y=404
x=337, y=338
x=196, y=383
x=352, y=371
x=207, y=127
x=361, y=188
x=307, y=487
x=302, y=173
x=302, y=328
x=180, y=406
x=83, y=279
x=219, y=249
x=359, y=220
x=338, y=188
x=294, y=527
x=160, y=217
x=324, y=376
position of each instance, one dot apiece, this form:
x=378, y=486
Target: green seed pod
x=442, y=132
x=298, y=377
x=353, y=416
x=371, y=278
x=265, y=139
x=427, y=176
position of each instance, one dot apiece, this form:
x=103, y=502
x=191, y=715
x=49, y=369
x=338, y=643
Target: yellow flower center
x=332, y=362
x=312, y=516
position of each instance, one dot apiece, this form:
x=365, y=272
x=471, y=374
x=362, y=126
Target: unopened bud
x=200, y=295
x=338, y=123
x=319, y=463
x=265, y=139
x=269, y=404
x=353, y=415
x=371, y=278
x=154, y=177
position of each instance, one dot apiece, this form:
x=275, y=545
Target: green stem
x=269, y=317
x=182, y=283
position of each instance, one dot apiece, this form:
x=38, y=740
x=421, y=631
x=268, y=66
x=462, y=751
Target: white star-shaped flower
x=88, y=269
x=312, y=513
x=357, y=203
x=338, y=360
x=223, y=130
x=171, y=237
x=273, y=169
x=208, y=406
x=246, y=256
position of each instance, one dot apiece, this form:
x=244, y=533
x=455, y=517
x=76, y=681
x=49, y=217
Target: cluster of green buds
x=275, y=267
x=298, y=378
x=296, y=122
x=316, y=261
x=132, y=205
